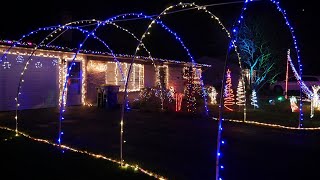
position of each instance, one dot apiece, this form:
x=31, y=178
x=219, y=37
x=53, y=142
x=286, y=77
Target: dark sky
x=201, y=36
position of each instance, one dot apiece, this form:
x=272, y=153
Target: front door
x=74, y=84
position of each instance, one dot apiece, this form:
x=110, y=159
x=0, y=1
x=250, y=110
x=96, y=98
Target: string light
x=283, y=12
x=66, y=49
x=38, y=65
x=6, y=65
x=269, y=125
x=19, y=59
x=190, y=90
x=99, y=156
x=55, y=62
x=235, y=30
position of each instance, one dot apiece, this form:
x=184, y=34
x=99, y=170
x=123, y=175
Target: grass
x=278, y=113
x=176, y=145
x=23, y=158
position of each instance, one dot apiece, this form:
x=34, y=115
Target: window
x=162, y=76
x=195, y=71
x=136, y=78
x=114, y=73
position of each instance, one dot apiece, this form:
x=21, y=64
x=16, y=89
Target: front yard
x=22, y=158
x=177, y=145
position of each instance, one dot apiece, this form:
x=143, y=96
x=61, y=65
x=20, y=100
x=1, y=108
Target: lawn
x=175, y=145
x=279, y=113
x=27, y=159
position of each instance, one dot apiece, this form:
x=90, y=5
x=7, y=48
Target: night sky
x=201, y=36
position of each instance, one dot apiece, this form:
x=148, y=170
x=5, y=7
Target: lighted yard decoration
x=312, y=95
x=240, y=96
x=212, y=93
x=228, y=93
x=293, y=104
x=254, y=99
x=315, y=101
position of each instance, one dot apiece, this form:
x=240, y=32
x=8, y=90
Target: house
x=40, y=78
x=214, y=75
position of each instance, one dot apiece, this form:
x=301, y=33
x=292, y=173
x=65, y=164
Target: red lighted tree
x=228, y=93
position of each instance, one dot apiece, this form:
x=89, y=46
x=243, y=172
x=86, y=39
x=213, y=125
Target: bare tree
x=257, y=56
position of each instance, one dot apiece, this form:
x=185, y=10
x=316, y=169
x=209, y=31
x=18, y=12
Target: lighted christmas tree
x=228, y=93
x=240, y=99
x=254, y=99
x=190, y=90
x=161, y=84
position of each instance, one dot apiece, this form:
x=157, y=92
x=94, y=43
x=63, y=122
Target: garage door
x=40, y=86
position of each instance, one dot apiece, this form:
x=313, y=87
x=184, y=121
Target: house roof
x=91, y=52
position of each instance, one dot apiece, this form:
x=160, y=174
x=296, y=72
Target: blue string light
x=283, y=12
x=234, y=33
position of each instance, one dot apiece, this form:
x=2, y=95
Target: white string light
x=99, y=156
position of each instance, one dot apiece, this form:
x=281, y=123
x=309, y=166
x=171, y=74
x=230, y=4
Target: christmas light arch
x=291, y=29
x=101, y=23
x=234, y=32
x=303, y=85
x=232, y=44
x=59, y=28
x=62, y=103
x=74, y=57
